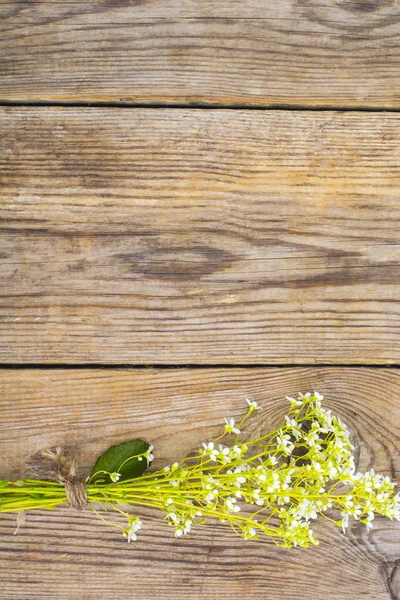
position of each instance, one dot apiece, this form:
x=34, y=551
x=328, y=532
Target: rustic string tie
x=62, y=467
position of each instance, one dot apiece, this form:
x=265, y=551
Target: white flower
x=370, y=517
x=135, y=525
x=210, y=451
x=230, y=503
x=148, y=455
x=230, y=426
x=349, y=501
x=256, y=496
x=262, y=476
x=332, y=470
x=173, y=516
x=291, y=422
x=344, y=522
x=306, y=509
x=317, y=467
x=294, y=427
x=312, y=437
x=187, y=526
x=115, y=477
x=356, y=511
x=294, y=402
x=224, y=453
x=284, y=444
x=252, y=405
x=235, y=452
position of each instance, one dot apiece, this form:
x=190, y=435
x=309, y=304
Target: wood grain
x=252, y=52
x=208, y=236
x=69, y=555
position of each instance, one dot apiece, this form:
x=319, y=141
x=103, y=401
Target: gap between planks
x=111, y=366
x=198, y=106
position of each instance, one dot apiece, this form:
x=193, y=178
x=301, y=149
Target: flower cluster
x=276, y=485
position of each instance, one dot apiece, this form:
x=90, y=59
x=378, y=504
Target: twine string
x=62, y=467
x=75, y=490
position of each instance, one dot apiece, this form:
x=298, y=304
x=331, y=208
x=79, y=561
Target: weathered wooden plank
x=199, y=236
x=70, y=555
x=253, y=52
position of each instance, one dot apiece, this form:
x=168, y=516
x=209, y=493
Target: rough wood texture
x=252, y=52
x=181, y=236
x=68, y=555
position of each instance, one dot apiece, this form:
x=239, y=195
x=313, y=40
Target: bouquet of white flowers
x=274, y=485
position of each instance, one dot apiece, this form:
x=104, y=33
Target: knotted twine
x=59, y=464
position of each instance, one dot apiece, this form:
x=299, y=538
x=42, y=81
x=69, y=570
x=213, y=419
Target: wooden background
x=200, y=202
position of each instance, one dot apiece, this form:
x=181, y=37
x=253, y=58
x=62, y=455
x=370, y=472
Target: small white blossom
x=148, y=455
x=135, y=525
x=187, y=526
x=173, y=516
x=230, y=426
x=235, y=452
x=284, y=443
x=294, y=427
x=210, y=450
x=344, y=522
x=252, y=405
x=294, y=402
x=250, y=533
x=115, y=477
x=306, y=509
x=230, y=503
x=178, y=532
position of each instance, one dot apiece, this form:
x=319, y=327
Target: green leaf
x=3, y=483
x=122, y=459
